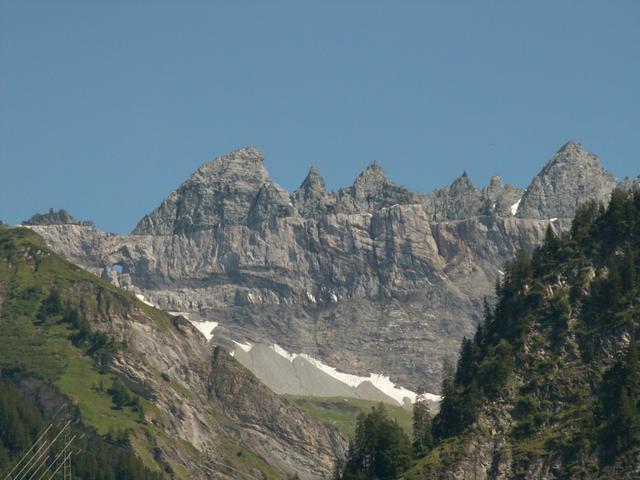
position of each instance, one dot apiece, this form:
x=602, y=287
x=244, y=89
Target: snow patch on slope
x=381, y=382
x=514, y=207
x=246, y=347
x=206, y=328
x=141, y=297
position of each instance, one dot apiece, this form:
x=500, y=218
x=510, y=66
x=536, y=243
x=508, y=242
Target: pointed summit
x=373, y=170
x=500, y=198
x=496, y=182
x=313, y=171
x=245, y=164
x=463, y=183
x=571, y=146
x=220, y=192
x=313, y=180
x=311, y=199
x=371, y=180
x=572, y=177
x=371, y=191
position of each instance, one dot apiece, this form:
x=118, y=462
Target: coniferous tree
x=379, y=450
x=422, y=437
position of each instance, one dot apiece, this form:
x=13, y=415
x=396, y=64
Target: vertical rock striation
x=371, y=278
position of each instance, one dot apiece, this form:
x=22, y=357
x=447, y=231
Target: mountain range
x=353, y=292
x=187, y=347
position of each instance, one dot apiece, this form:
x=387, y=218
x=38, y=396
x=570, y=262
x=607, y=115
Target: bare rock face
x=500, y=198
x=312, y=198
x=60, y=217
x=371, y=279
x=372, y=191
x=572, y=177
x=231, y=190
x=257, y=410
x=206, y=406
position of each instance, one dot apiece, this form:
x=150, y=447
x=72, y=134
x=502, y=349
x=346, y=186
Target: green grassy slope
x=341, y=413
x=45, y=305
x=36, y=336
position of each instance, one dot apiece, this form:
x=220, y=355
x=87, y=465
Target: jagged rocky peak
x=312, y=198
x=372, y=177
x=461, y=199
x=373, y=190
x=500, y=198
x=496, y=183
x=56, y=217
x=312, y=187
x=314, y=180
x=463, y=183
x=244, y=164
x=572, y=177
x=233, y=189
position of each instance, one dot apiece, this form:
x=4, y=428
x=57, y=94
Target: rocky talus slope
x=548, y=387
x=196, y=410
x=372, y=278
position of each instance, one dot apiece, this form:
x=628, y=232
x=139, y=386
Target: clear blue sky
x=106, y=107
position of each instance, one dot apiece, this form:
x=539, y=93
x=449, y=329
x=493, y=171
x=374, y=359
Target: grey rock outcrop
x=371, y=279
x=499, y=198
x=205, y=407
x=312, y=199
x=52, y=217
x=571, y=177
x=371, y=191
x=231, y=190
x=462, y=199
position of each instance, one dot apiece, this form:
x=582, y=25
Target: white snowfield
x=514, y=207
x=142, y=299
x=381, y=382
x=246, y=347
x=206, y=328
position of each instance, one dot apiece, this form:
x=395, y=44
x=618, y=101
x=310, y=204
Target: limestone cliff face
x=373, y=278
x=232, y=190
x=206, y=410
x=572, y=177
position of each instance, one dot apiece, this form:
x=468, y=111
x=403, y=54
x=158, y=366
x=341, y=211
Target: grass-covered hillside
x=342, y=413
x=142, y=387
x=46, y=340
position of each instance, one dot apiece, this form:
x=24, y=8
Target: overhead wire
x=39, y=457
x=40, y=436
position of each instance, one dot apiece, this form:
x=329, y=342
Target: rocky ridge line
x=369, y=279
